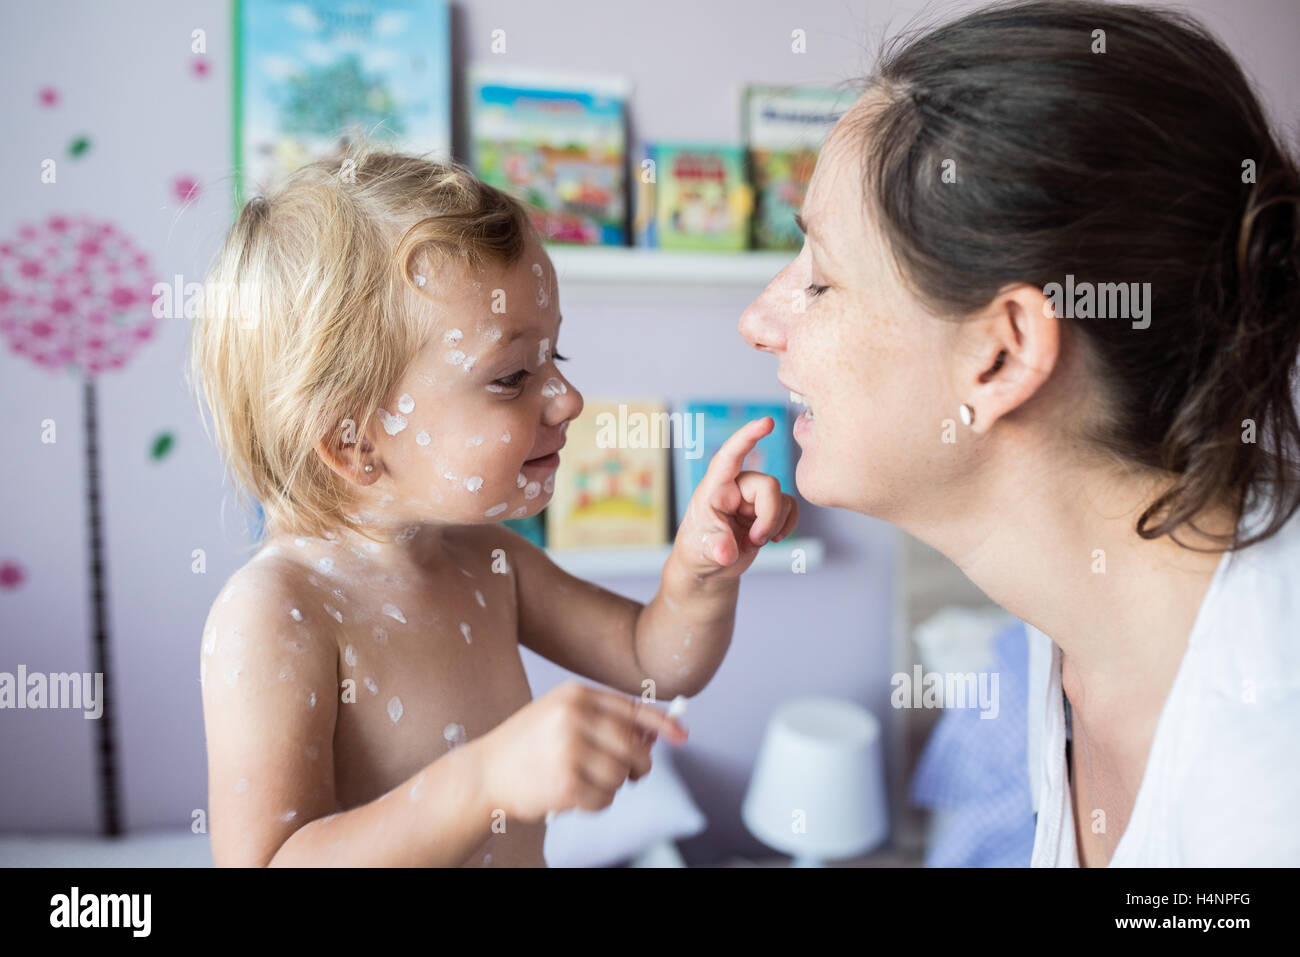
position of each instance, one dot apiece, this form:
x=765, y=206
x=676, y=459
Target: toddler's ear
x=355, y=462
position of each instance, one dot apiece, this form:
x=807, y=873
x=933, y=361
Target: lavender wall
x=124, y=74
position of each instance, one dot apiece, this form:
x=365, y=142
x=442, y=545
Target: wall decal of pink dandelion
x=76, y=296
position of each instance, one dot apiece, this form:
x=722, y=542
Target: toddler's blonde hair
x=319, y=320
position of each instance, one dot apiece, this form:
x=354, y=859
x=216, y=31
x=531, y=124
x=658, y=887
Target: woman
x=1115, y=464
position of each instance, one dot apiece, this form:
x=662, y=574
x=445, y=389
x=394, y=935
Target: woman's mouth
x=804, y=423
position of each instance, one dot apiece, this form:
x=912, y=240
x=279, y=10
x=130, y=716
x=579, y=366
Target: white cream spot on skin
x=450, y=476
x=350, y=656
x=392, y=611
x=326, y=565
x=289, y=815
x=455, y=357
x=454, y=735
x=405, y=405
x=392, y=423
x=295, y=614
x=505, y=437
x=478, y=597
x=423, y=438
x=469, y=363
x=543, y=350
x=311, y=700
x=286, y=673
x=464, y=630
x=419, y=279
x=371, y=685
x=493, y=334
x=334, y=613
x=521, y=480
x=496, y=510
x=548, y=486
x=520, y=512
x=532, y=490
x=372, y=546
x=476, y=440
x=554, y=387
x=241, y=785
x=474, y=483
x=395, y=709
x=678, y=708
x=300, y=542
x=408, y=533
x=453, y=337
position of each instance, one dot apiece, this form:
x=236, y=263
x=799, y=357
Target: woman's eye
x=512, y=381
x=559, y=358
x=816, y=290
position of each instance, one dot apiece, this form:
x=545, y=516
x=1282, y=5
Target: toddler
x=384, y=384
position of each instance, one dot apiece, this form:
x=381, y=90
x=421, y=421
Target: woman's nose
x=762, y=325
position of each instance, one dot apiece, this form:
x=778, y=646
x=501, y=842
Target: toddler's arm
x=270, y=699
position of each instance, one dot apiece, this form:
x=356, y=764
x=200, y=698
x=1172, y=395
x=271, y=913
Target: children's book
x=612, y=484
x=706, y=424
x=559, y=144
x=784, y=129
x=693, y=196
x=310, y=75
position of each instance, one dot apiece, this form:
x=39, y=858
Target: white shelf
x=621, y=265
x=625, y=562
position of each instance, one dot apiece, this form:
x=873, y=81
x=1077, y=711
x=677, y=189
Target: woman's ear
x=1011, y=348
x=350, y=455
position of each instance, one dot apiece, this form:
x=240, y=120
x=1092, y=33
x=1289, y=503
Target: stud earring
x=371, y=468
x=967, y=415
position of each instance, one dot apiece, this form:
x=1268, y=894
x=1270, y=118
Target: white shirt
x=1222, y=781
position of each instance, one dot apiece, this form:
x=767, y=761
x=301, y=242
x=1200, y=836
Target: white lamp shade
x=818, y=787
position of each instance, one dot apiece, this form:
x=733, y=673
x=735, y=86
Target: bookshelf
x=625, y=265
x=604, y=563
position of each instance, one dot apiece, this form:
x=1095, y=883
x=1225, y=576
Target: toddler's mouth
x=549, y=461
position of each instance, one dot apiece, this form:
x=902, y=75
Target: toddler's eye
x=512, y=381
x=816, y=290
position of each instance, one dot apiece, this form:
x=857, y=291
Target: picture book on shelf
x=706, y=424
x=612, y=485
x=784, y=130
x=559, y=144
x=311, y=75
x=693, y=196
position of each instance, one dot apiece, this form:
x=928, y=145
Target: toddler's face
x=471, y=433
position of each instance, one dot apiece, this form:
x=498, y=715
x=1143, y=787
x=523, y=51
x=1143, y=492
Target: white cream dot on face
x=520, y=512
x=505, y=437
x=326, y=565
x=474, y=483
x=454, y=735
x=478, y=597
x=554, y=387
x=289, y=815
x=395, y=709
x=392, y=611
x=496, y=510
x=455, y=357
x=548, y=486
x=392, y=423
x=295, y=614
x=476, y=440
x=311, y=700
x=405, y=405
x=286, y=673
x=350, y=656
x=521, y=480
x=464, y=630
x=334, y=613
x=423, y=438
x=532, y=490
x=372, y=546
x=469, y=363
x=452, y=337
x=493, y=334
x=543, y=349
x=300, y=542
x=371, y=686
x=419, y=280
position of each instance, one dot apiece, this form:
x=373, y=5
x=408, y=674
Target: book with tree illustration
x=697, y=198
x=612, y=484
x=558, y=143
x=310, y=75
x=706, y=424
x=784, y=130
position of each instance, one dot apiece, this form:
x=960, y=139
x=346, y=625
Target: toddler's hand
x=571, y=748
x=733, y=513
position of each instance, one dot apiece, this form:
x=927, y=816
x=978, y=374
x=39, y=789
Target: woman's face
x=865, y=357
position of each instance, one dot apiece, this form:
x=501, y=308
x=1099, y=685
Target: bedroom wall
x=126, y=81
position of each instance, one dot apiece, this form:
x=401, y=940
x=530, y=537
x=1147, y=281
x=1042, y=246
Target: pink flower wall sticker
x=76, y=296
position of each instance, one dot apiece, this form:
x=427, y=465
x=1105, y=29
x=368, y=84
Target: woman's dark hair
x=1128, y=165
